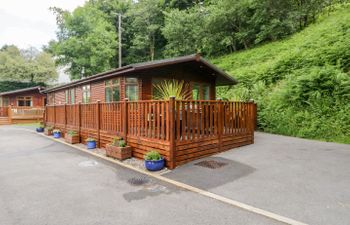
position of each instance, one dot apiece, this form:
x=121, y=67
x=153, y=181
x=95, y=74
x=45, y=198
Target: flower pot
x=91, y=144
x=57, y=135
x=72, y=139
x=47, y=132
x=117, y=152
x=40, y=129
x=154, y=165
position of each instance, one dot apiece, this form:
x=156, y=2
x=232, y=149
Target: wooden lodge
x=121, y=102
x=22, y=105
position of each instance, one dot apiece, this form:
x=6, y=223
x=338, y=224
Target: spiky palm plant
x=168, y=88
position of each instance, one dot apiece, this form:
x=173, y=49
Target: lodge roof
x=39, y=88
x=222, y=78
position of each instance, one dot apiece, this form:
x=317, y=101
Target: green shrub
x=122, y=143
x=72, y=133
x=153, y=155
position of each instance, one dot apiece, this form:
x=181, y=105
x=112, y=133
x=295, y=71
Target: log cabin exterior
x=22, y=105
x=121, y=102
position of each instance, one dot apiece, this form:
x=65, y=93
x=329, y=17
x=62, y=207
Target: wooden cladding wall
x=181, y=130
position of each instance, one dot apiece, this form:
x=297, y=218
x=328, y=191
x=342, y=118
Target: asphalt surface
x=305, y=180
x=45, y=182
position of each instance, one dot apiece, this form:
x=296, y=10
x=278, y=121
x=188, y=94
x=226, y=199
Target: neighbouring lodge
x=22, y=105
x=122, y=102
x=30, y=97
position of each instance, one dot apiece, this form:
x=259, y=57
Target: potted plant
x=118, y=149
x=56, y=133
x=72, y=137
x=48, y=130
x=40, y=128
x=154, y=161
x=90, y=143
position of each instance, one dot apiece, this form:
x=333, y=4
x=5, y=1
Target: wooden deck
x=12, y=115
x=181, y=131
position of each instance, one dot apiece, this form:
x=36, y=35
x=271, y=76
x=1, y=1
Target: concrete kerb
x=228, y=201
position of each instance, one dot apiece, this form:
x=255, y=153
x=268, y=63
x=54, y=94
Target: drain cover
x=138, y=181
x=211, y=164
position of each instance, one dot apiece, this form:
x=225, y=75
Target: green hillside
x=301, y=84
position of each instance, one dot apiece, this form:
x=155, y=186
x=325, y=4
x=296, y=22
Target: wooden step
x=4, y=121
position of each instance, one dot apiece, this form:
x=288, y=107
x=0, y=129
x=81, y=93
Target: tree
x=183, y=31
x=86, y=41
x=147, y=20
x=29, y=65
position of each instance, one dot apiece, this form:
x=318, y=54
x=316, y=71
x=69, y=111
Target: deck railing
x=19, y=113
x=180, y=130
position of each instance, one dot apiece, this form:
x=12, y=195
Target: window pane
x=115, y=81
x=72, y=96
x=195, y=92
x=20, y=103
x=131, y=80
x=67, y=96
x=108, y=94
x=28, y=103
x=131, y=92
x=206, y=92
x=116, y=94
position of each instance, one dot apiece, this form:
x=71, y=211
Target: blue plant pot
x=91, y=144
x=40, y=129
x=57, y=135
x=153, y=165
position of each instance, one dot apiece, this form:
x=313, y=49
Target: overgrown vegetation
x=301, y=84
x=155, y=29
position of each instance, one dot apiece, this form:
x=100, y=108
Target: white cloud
x=26, y=23
x=30, y=23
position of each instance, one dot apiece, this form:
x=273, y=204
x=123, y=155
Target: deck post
x=79, y=118
x=9, y=113
x=65, y=117
x=98, y=122
x=54, y=115
x=125, y=119
x=172, y=163
x=220, y=124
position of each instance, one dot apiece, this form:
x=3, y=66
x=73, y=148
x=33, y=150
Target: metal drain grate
x=211, y=164
x=138, y=181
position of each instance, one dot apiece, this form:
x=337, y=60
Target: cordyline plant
x=169, y=88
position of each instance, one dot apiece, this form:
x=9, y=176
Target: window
x=131, y=89
x=195, y=92
x=200, y=91
x=5, y=101
x=206, y=91
x=52, y=98
x=72, y=95
x=67, y=96
x=112, y=90
x=24, y=101
x=86, y=93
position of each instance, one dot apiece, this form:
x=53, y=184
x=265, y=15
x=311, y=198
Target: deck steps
x=4, y=121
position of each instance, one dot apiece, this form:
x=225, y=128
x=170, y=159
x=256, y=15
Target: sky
x=27, y=23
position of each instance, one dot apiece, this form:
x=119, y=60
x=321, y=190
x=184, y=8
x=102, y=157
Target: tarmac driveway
x=302, y=179
x=44, y=182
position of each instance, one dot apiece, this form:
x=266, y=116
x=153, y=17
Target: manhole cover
x=89, y=163
x=138, y=181
x=211, y=164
